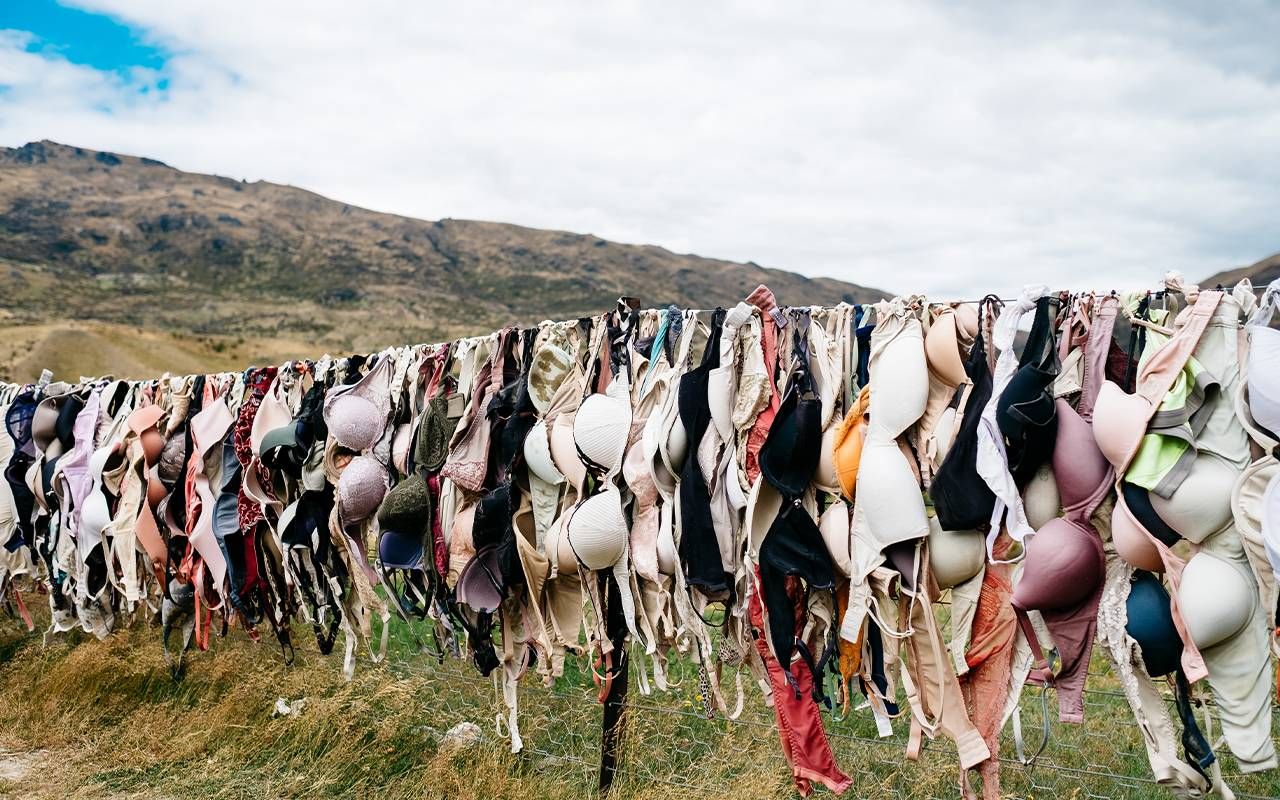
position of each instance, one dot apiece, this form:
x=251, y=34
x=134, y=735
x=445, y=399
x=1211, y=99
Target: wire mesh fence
x=672, y=748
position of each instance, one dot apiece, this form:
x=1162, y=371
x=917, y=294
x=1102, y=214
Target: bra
x=698, y=546
x=551, y=365
x=942, y=343
x=888, y=485
x=1026, y=412
x=1263, y=380
x=1065, y=565
x=954, y=556
x=1215, y=599
x=1150, y=623
x=1120, y=419
x=1064, y=562
x=793, y=544
x=537, y=455
x=601, y=427
x=597, y=530
x=1120, y=423
x=962, y=500
x=360, y=489
x=208, y=428
x=847, y=447
x=356, y=414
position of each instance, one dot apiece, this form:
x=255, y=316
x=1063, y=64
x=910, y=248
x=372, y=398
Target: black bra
x=961, y=498
x=1026, y=411
x=698, y=548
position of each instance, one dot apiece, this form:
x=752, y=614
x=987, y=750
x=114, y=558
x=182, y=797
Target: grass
x=93, y=719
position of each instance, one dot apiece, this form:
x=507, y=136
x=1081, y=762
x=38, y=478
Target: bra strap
x=1156, y=377
x=1096, y=350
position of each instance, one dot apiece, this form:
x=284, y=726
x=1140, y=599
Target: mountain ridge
x=1260, y=273
x=131, y=242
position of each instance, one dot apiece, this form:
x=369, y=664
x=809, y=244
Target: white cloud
x=913, y=147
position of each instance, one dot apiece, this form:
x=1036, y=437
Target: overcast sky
x=912, y=146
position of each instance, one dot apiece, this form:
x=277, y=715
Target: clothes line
x=564, y=323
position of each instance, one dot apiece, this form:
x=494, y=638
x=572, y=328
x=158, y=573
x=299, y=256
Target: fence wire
x=671, y=748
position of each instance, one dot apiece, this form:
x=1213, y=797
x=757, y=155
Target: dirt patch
x=20, y=771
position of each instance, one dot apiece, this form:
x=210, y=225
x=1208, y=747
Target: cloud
x=915, y=147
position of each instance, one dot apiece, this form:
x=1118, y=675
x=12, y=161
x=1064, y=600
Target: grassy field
x=72, y=349
x=83, y=718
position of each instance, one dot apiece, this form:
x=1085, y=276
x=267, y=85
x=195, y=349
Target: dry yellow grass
x=73, y=349
x=81, y=718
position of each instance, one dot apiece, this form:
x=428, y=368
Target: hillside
x=256, y=269
x=1260, y=274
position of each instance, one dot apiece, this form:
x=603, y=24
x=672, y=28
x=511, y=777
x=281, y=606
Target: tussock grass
x=88, y=719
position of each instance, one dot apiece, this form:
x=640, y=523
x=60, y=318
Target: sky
x=937, y=147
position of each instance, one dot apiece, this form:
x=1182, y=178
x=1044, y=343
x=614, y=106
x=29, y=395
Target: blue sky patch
x=99, y=41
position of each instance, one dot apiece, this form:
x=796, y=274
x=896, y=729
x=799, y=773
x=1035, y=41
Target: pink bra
x=1065, y=563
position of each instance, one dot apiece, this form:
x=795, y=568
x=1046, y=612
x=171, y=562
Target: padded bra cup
x=1150, y=623
x=901, y=387
x=1078, y=464
x=1264, y=377
x=954, y=556
x=1041, y=498
x=888, y=489
x=1119, y=423
x=944, y=431
x=834, y=526
x=790, y=458
x=597, y=530
x=1201, y=506
x=1064, y=566
x=600, y=429
x=399, y=550
x=942, y=349
x=563, y=451
x=95, y=516
x=1216, y=600
x=44, y=432
x=537, y=454
x=1027, y=414
x=890, y=494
